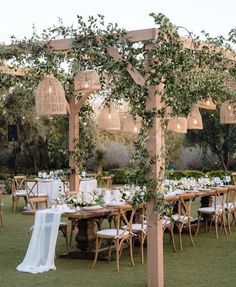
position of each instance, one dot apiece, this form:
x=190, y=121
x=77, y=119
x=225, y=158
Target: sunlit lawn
x=210, y=263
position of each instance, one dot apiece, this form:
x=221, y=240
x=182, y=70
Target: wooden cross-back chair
x=106, y=181
x=216, y=212
x=139, y=228
x=17, y=185
x=183, y=217
x=230, y=206
x=34, y=198
x=117, y=235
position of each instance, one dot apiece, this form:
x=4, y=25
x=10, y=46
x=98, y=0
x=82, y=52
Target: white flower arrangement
x=134, y=195
x=80, y=199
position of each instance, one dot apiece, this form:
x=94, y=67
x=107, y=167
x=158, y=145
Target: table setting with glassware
x=84, y=208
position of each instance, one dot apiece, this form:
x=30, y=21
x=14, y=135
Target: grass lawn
x=211, y=263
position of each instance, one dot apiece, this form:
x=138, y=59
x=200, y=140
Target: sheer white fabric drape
x=41, y=250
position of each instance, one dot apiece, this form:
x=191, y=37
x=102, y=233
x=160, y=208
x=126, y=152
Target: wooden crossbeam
x=12, y=71
x=134, y=73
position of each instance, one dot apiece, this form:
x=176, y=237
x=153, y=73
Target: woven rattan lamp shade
x=194, y=119
x=228, y=113
x=177, y=125
x=207, y=104
x=109, y=118
x=131, y=125
x=87, y=81
x=50, y=97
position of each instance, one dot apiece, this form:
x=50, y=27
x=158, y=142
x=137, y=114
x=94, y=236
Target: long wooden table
x=86, y=222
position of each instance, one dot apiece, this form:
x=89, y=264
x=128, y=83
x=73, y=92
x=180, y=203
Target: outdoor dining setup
x=124, y=210
x=163, y=80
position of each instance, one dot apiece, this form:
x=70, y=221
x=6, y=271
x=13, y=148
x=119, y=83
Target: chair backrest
x=19, y=181
x=233, y=174
x=12, y=185
x=220, y=199
x=34, y=201
x=1, y=202
x=31, y=186
x=231, y=198
x=184, y=205
x=125, y=214
x=106, y=181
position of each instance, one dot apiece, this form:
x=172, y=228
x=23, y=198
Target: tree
x=220, y=138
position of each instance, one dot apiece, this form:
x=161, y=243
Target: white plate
x=116, y=203
x=94, y=207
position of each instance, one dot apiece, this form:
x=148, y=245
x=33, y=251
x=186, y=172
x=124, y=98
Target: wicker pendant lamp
x=109, y=118
x=194, y=119
x=227, y=113
x=207, y=104
x=177, y=125
x=131, y=125
x=87, y=81
x=50, y=97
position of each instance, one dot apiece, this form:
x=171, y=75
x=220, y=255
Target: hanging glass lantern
x=177, y=125
x=109, y=118
x=50, y=97
x=87, y=81
x=194, y=119
x=228, y=113
x=131, y=125
x=207, y=104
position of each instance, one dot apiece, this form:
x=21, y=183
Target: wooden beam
x=155, y=145
x=12, y=71
x=134, y=73
x=81, y=101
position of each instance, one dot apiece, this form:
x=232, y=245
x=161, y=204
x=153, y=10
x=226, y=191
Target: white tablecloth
x=53, y=187
x=41, y=250
x=50, y=188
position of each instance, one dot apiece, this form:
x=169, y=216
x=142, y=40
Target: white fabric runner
x=41, y=250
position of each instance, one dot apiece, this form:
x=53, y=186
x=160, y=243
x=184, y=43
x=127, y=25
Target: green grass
x=210, y=263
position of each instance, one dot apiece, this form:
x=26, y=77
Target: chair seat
x=137, y=227
x=166, y=222
x=112, y=233
x=230, y=205
x=181, y=218
x=20, y=192
x=63, y=223
x=210, y=210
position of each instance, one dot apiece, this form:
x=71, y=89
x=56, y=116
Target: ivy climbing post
x=155, y=146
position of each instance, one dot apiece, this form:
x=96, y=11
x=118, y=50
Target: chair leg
x=98, y=244
x=224, y=224
x=172, y=238
x=198, y=224
x=190, y=233
x=228, y=221
x=216, y=226
x=131, y=251
x=180, y=236
x=142, y=251
x=117, y=244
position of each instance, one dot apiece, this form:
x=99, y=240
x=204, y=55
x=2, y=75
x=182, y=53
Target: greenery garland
x=187, y=74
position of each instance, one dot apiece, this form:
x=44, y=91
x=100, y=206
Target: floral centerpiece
x=134, y=195
x=81, y=199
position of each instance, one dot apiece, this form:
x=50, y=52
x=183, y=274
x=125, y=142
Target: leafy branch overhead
x=190, y=70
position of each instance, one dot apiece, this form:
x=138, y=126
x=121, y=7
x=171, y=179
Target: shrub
x=218, y=173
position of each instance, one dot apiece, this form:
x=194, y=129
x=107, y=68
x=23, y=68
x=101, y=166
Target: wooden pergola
x=155, y=142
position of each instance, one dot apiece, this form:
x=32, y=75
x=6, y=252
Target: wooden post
x=155, y=146
x=73, y=141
